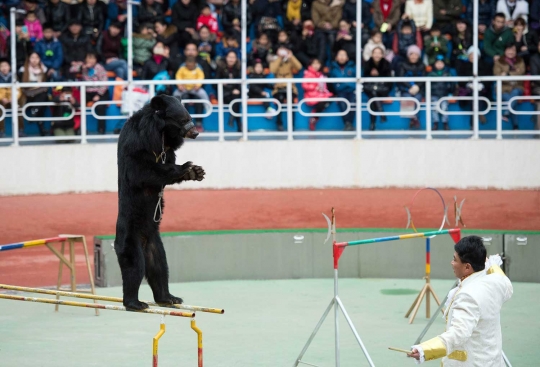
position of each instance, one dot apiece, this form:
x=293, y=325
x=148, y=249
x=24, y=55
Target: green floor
x=266, y=323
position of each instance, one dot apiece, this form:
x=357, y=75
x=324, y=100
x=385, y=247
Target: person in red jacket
x=315, y=90
x=207, y=19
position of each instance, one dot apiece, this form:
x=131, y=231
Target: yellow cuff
x=433, y=349
x=495, y=269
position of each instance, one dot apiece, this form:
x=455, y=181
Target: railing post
x=221, y=124
x=475, y=69
x=290, y=126
x=84, y=131
x=14, y=100
x=358, y=69
x=498, y=92
x=428, y=111
x=243, y=89
x=130, y=54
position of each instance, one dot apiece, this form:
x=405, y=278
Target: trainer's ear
x=158, y=103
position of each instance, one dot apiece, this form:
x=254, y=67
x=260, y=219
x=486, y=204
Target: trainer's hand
x=414, y=354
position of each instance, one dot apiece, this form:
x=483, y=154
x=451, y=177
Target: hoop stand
x=426, y=291
x=338, y=305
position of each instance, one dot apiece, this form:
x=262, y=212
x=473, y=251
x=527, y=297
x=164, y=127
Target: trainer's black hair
x=471, y=250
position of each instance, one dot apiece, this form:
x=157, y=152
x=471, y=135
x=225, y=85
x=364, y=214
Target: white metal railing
x=272, y=100
x=457, y=113
x=321, y=114
x=45, y=118
x=393, y=113
x=207, y=104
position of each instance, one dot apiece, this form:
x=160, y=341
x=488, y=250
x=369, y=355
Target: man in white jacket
x=473, y=327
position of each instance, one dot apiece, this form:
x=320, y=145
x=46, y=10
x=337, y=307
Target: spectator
x=285, y=66
x=315, y=90
x=345, y=68
x=143, y=42
x=496, y=38
x=184, y=17
x=377, y=67
x=406, y=36
x=312, y=44
x=512, y=10
x=285, y=41
x=386, y=15
x=326, y=15
x=421, y=11
x=58, y=15
x=31, y=5
x=23, y=46
x=525, y=41
x=231, y=17
x=509, y=65
x=169, y=36
x=412, y=68
x=265, y=15
x=5, y=95
x=206, y=46
x=374, y=42
x=535, y=70
x=35, y=30
x=208, y=20
x=91, y=14
x=261, y=50
x=158, y=65
x=440, y=90
x=534, y=15
x=94, y=72
x=435, y=45
x=349, y=15
x=228, y=43
x=462, y=39
x=150, y=11
x=191, y=71
x=109, y=47
x=258, y=90
x=64, y=127
x=75, y=47
x=446, y=14
x=296, y=11
x=486, y=12
x=345, y=40
x=34, y=71
x=191, y=50
x=50, y=51
x=116, y=11
x=230, y=69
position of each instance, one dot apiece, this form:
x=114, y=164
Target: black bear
x=146, y=163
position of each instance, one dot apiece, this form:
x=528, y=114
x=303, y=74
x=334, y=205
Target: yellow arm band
x=495, y=269
x=433, y=349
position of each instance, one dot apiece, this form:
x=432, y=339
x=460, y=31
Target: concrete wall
x=506, y=164
x=275, y=255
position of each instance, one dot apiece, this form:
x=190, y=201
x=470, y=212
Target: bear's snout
x=192, y=133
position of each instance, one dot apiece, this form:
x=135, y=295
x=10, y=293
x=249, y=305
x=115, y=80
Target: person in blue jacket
x=344, y=68
x=50, y=51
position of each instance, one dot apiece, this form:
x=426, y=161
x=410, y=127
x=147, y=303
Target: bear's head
x=176, y=119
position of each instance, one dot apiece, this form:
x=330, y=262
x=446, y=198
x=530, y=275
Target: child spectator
x=344, y=68
x=58, y=15
x=258, y=90
x=345, y=40
x=461, y=41
x=386, y=15
x=207, y=45
x=143, y=42
x=191, y=71
x=109, y=46
x=509, y=65
x=35, y=31
x=94, y=72
x=435, y=45
x=91, y=15
x=34, y=71
x=50, y=51
x=228, y=44
x=207, y=19
x=285, y=66
x=150, y=11
x=5, y=94
x=64, y=127
x=315, y=90
x=438, y=91
x=525, y=40
x=412, y=68
x=406, y=36
x=184, y=17
x=285, y=41
x=377, y=67
x=312, y=44
x=158, y=67
x=374, y=42
x=421, y=12
x=261, y=50
x=75, y=47
x=230, y=69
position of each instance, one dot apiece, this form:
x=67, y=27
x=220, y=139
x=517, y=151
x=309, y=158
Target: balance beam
x=106, y=298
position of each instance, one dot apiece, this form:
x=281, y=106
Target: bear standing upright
x=146, y=163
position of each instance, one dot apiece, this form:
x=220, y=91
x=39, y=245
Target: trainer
x=473, y=324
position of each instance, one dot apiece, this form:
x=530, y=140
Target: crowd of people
x=194, y=40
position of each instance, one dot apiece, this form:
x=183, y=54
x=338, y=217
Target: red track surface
x=24, y=218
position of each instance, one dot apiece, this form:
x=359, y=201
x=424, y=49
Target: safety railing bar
x=520, y=132
x=239, y=100
x=459, y=113
x=49, y=138
x=522, y=98
x=322, y=114
x=201, y=101
x=419, y=106
x=324, y=132
x=6, y=140
x=105, y=117
x=4, y=114
x=47, y=118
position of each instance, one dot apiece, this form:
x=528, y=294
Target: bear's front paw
x=195, y=173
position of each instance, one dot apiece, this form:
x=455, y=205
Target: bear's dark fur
x=160, y=126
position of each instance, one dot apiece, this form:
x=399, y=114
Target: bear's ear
x=178, y=98
x=158, y=104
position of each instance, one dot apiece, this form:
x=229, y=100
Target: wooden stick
x=61, y=266
x=89, y=270
x=400, y=350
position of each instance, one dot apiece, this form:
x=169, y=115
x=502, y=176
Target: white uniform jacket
x=473, y=326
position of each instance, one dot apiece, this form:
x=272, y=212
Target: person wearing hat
x=51, y=53
x=412, y=68
x=75, y=47
x=439, y=90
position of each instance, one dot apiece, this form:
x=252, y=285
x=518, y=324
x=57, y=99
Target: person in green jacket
x=435, y=45
x=497, y=37
x=143, y=43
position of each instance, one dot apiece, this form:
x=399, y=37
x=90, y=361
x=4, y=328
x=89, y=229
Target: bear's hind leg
x=157, y=272
x=131, y=260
